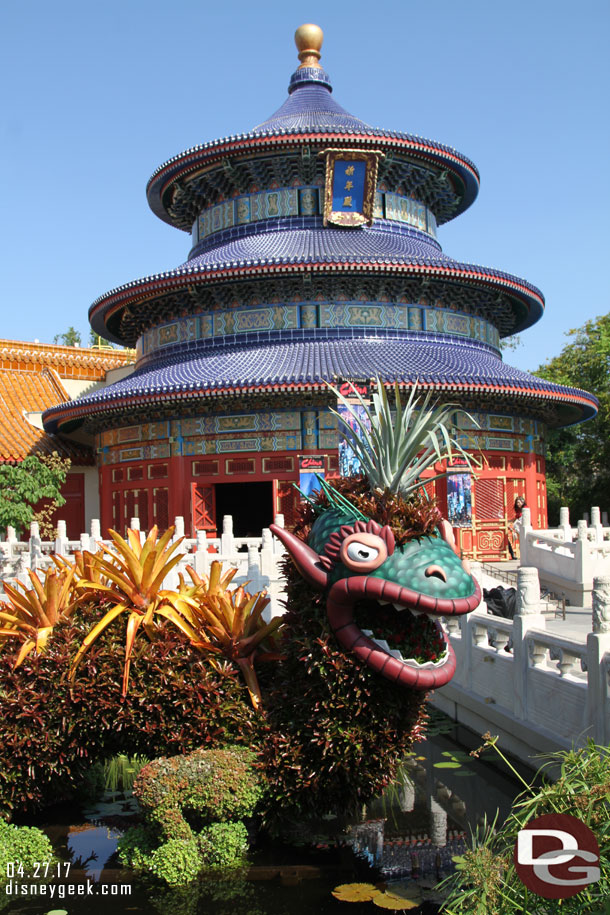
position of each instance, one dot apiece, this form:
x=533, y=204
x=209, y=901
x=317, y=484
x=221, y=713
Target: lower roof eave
x=68, y=417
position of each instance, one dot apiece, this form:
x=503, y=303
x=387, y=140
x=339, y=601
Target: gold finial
x=308, y=39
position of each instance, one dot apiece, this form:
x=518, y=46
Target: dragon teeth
x=368, y=632
x=417, y=612
x=398, y=607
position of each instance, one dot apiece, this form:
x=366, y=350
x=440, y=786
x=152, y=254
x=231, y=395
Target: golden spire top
x=308, y=39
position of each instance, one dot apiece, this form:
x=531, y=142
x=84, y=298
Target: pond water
x=405, y=839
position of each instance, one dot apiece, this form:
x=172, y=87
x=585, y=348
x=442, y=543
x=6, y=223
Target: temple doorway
x=250, y=504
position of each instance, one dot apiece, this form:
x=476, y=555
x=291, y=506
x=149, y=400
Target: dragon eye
x=360, y=552
x=363, y=552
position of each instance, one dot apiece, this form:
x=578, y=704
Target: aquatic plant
x=486, y=882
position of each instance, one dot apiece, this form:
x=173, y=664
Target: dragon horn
x=305, y=559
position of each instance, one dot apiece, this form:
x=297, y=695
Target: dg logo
x=556, y=856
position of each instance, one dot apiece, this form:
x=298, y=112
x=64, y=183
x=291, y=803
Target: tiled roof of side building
x=454, y=366
x=23, y=392
x=74, y=362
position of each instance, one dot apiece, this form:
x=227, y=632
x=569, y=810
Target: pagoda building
x=314, y=257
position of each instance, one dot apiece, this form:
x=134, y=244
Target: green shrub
x=135, y=847
x=223, y=844
x=202, y=787
x=176, y=862
x=25, y=845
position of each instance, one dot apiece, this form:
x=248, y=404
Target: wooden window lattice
x=489, y=499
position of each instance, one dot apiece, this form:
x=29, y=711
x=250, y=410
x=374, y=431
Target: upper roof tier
x=310, y=119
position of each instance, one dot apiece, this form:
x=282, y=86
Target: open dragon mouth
x=410, y=636
x=395, y=631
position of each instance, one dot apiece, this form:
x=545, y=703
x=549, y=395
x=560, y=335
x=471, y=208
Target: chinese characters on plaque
x=349, y=191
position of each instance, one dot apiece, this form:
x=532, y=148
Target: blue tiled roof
x=384, y=245
x=406, y=359
x=310, y=107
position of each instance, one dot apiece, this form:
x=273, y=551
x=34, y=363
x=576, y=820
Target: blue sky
x=96, y=96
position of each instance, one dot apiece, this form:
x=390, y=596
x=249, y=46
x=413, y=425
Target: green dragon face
x=385, y=602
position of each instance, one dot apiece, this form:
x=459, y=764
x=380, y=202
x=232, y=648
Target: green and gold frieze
x=324, y=314
x=302, y=201
x=291, y=431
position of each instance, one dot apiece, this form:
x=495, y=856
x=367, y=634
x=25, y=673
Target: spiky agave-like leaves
x=396, y=451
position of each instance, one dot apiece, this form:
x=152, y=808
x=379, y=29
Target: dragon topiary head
x=388, y=585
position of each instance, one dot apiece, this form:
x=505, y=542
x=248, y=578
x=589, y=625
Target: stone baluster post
x=254, y=570
x=179, y=525
x=564, y=524
x=35, y=545
x=438, y=823
x=267, y=563
x=11, y=534
x=84, y=542
x=528, y=616
x=61, y=541
x=277, y=544
x=598, y=649
x=11, y=543
x=227, y=545
x=96, y=535
x=202, y=557
x=596, y=524
x=582, y=530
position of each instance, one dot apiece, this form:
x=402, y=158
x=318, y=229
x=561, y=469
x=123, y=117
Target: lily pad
x=355, y=892
x=448, y=765
x=396, y=903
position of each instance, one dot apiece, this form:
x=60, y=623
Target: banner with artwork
x=459, y=499
x=349, y=464
x=311, y=471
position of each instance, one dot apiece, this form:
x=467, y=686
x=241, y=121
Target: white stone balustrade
x=567, y=560
x=543, y=694
x=256, y=559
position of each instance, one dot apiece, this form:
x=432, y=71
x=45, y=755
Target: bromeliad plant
x=231, y=623
x=396, y=451
x=32, y=613
x=135, y=572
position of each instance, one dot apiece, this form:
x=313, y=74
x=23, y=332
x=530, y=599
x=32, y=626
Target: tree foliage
x=25, y=484
x=578, y=457
x=70, y=337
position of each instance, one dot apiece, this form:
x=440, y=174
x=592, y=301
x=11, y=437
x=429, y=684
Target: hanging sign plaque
x=349, y=190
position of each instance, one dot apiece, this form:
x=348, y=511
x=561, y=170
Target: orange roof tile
x=33, y=391
x=77, y=362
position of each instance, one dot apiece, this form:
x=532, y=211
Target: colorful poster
x=459, y=499
x=311, y=471
x=349, y=463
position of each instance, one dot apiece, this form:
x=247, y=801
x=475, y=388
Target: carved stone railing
x=539, y=690
x=567, y=559
x=256, y=559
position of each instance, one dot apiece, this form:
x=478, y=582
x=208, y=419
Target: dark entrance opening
x=251, y=505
